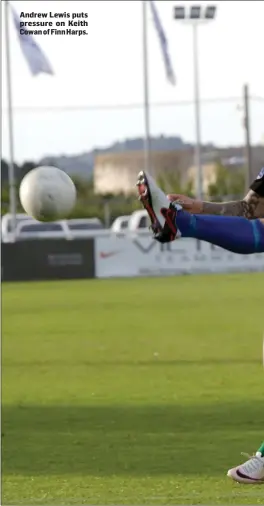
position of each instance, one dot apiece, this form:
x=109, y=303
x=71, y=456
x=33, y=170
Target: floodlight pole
x=146, y=88
x=198, y=159
x=11, y=165
x=195, y=15
x=248, y=164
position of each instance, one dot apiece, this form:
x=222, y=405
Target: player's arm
x=251, y=207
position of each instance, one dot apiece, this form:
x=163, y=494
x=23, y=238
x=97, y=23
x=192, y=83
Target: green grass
x=131, y=391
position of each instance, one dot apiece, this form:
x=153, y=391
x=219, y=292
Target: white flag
x=34, y=55
x=163, y=43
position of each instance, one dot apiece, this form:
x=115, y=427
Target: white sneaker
x=252, y=471
x=161, y=211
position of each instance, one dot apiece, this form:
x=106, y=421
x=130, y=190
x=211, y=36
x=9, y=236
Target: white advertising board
x=139, y=255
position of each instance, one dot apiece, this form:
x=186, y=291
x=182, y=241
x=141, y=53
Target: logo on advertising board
x=108, y=254
x=142, y=247
x=143, y=256
x=164, y=256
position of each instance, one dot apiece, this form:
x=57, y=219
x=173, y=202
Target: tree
x=228, y=182
x=5, y=171
x=171, y=183
x=83, y=187
x=220, y=187
x=25, y=168
x=237, y=183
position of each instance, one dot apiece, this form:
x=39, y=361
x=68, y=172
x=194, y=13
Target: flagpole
x=11, y=166
x=146, y=88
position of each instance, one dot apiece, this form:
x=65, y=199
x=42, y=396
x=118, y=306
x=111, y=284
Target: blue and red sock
x=235, y=234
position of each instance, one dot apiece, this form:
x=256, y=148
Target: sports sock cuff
x=261, y=449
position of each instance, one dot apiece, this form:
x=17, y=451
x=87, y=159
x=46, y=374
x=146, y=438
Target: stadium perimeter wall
x=121, y=255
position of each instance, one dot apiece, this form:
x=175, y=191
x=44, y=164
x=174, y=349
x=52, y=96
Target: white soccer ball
x=47, y=194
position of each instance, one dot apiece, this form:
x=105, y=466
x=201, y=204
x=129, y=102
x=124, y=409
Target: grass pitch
x=131, y=391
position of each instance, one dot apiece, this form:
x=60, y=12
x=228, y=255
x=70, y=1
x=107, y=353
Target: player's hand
x=187, y=203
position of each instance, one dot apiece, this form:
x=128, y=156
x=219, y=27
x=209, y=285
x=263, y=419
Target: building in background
x=116, y=173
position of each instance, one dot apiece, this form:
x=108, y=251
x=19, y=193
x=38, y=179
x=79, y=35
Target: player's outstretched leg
x=252, y=471
x=169, y=221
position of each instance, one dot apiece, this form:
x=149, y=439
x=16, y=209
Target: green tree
x=4, y=171
x=237, y=183
x=25, y=168
x=228, y=182
x=171, y=183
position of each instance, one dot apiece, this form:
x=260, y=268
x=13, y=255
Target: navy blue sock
x=235, y=234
